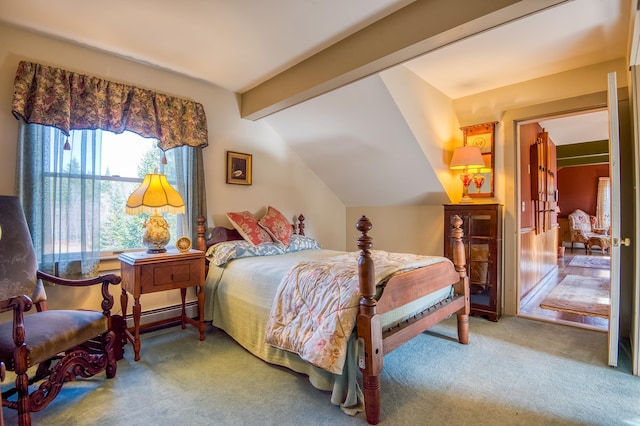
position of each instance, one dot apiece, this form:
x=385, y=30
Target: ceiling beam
x=414, y=30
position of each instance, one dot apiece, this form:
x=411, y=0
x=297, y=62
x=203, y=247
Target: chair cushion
x=51, y=332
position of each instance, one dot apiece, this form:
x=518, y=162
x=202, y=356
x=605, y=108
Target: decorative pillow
x=301, y=242
x=247, y=225
x=277, y=226
x=221, y=253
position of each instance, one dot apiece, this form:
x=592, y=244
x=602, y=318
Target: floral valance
x=70, y=101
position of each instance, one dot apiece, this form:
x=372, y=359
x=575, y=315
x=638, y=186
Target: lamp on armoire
x=465, y=158
x=479, y=178
x=155, y=195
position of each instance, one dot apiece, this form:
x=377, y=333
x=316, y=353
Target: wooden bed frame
x=399, y=290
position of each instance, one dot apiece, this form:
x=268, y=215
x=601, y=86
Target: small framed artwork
x=238, y=168
x=482, y=136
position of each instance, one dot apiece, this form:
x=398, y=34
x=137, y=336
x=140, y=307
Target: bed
x=241, y=291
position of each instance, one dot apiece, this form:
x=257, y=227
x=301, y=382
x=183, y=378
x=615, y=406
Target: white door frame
x=614, y=175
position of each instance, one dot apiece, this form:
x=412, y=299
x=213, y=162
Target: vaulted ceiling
x=255, y=48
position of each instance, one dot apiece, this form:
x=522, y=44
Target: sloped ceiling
x=357, y=140
x=241, y=44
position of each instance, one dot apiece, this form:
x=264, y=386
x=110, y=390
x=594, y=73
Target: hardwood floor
x=530, y=305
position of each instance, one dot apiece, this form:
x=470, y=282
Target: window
x=74, y=196
x=121, y=175
x=119, y=163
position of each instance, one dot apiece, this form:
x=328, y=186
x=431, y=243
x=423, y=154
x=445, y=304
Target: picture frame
x=239, y=168
x=482, y=136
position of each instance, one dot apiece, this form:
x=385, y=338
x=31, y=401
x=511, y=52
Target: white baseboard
x=167, y=312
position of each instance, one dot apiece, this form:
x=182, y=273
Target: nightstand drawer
x=160, y=277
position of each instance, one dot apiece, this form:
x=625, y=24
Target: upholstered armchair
x=63, y=344
x=582, y=228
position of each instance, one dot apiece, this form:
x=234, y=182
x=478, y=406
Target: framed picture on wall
x=482, y=136
x=239, y=168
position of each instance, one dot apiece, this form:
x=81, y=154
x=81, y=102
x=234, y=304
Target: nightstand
x=148, y=273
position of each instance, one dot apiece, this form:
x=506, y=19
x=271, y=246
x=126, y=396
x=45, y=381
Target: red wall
x=578, y=188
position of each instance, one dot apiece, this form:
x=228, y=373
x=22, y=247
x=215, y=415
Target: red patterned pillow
x=247, y=225
x=277, y=226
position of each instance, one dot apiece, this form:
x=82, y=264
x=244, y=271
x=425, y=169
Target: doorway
x=555, y=285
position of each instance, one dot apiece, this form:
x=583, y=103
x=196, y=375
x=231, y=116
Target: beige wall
x=279, y=177
x=403, y=229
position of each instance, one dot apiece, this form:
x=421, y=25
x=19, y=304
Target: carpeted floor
x=600, y=262
x=580, y=295
x=514, y=372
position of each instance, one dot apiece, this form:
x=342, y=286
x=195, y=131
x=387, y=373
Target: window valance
x=70, y=101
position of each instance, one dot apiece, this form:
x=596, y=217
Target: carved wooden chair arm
x=106, y=280
x=19, y=305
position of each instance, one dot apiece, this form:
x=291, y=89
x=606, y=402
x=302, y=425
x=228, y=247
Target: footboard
x=401, y=289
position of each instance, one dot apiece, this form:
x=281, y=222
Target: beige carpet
x=514, y=372
x=580, y=295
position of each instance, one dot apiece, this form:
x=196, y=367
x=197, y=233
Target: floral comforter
x=316, y=304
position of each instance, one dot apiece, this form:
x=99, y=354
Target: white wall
x=279, y=176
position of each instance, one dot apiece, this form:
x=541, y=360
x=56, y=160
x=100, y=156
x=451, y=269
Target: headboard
x=210, y=236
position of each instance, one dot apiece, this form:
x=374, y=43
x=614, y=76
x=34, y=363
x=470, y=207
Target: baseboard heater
x=167, y=316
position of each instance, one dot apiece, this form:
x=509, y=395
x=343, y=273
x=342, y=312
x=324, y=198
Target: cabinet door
x=482, y=241
x=480, y=255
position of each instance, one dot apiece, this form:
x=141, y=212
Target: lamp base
x=466, y=180
x=156, y=234
x=155, y=251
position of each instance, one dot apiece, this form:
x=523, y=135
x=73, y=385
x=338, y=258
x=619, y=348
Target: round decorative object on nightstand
x=183, y=244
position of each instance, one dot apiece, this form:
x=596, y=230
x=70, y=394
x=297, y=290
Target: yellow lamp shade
x=155, y=195
x=467, y=157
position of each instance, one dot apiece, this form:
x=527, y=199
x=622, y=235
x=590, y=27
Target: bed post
x=462, y=287
x=369, y=326
x=301, y=225
x=201, y=243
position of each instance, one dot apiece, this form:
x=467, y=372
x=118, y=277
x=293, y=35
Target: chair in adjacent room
x=63, y=344
x=582, y=227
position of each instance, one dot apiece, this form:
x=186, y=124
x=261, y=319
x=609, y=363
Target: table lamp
x=154, y=196
x=465, y=158
x=478, y=178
